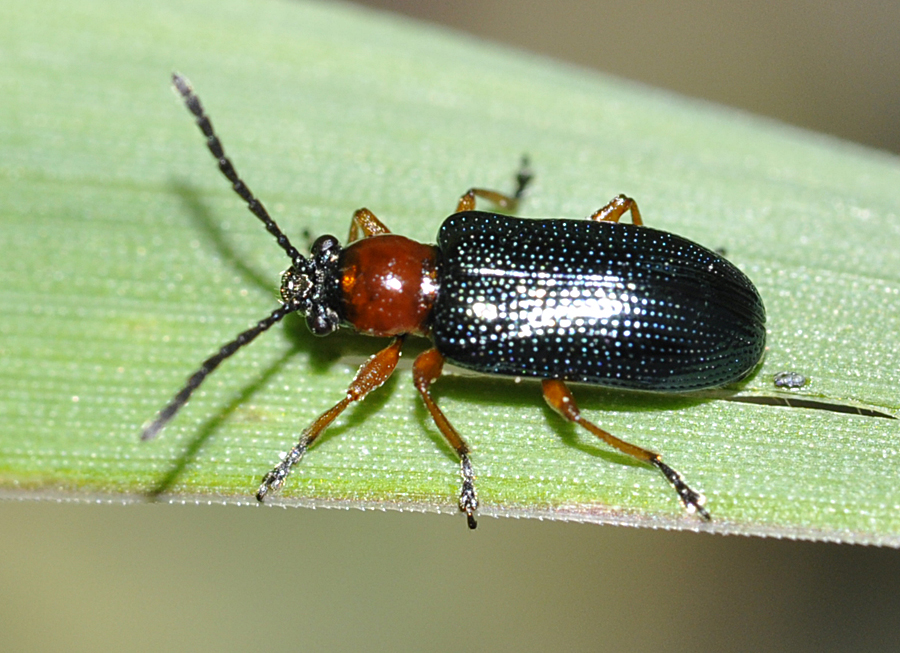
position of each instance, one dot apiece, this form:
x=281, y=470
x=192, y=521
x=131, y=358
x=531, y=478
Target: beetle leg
x=617, y=207
x=508, y=202
x=372, y=374
x=467, y=200
x=364, y=220
x=426, y=370
x=557, y=394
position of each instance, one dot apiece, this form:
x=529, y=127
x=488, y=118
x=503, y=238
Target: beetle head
x=310, y=286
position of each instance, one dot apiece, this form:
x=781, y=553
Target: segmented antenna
x=215, y=146
x=208, y=366
x=256, y=207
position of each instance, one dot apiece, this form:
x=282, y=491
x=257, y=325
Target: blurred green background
x=829, y=66
x=150, y=577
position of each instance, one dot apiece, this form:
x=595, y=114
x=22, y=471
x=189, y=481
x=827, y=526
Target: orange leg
x=508, y=202
x=467, y=201
x=617, y=207
x=372, y=374
x=426, y=370
x=557, y=394
x=364, y=220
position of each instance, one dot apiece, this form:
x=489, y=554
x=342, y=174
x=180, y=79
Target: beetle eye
x=322, y=320
x=325, y=247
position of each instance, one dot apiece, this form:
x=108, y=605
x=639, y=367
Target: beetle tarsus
x=693, y=501
x=468, y=500
x=275, y=478
x=523, y=178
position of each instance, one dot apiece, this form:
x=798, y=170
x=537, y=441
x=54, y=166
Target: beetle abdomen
x=599, y=302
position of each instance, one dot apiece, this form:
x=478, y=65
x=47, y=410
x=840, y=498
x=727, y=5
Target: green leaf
x=127, y=260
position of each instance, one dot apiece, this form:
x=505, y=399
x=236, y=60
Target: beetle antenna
x=209, y=365
x=183, y=86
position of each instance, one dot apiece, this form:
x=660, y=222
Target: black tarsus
x=692, y=500
x=523, y=177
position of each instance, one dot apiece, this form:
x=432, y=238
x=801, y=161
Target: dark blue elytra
x=607, y=303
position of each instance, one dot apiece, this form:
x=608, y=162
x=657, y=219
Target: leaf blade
x=128, y=261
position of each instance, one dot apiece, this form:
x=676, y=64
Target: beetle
x=594, y=301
